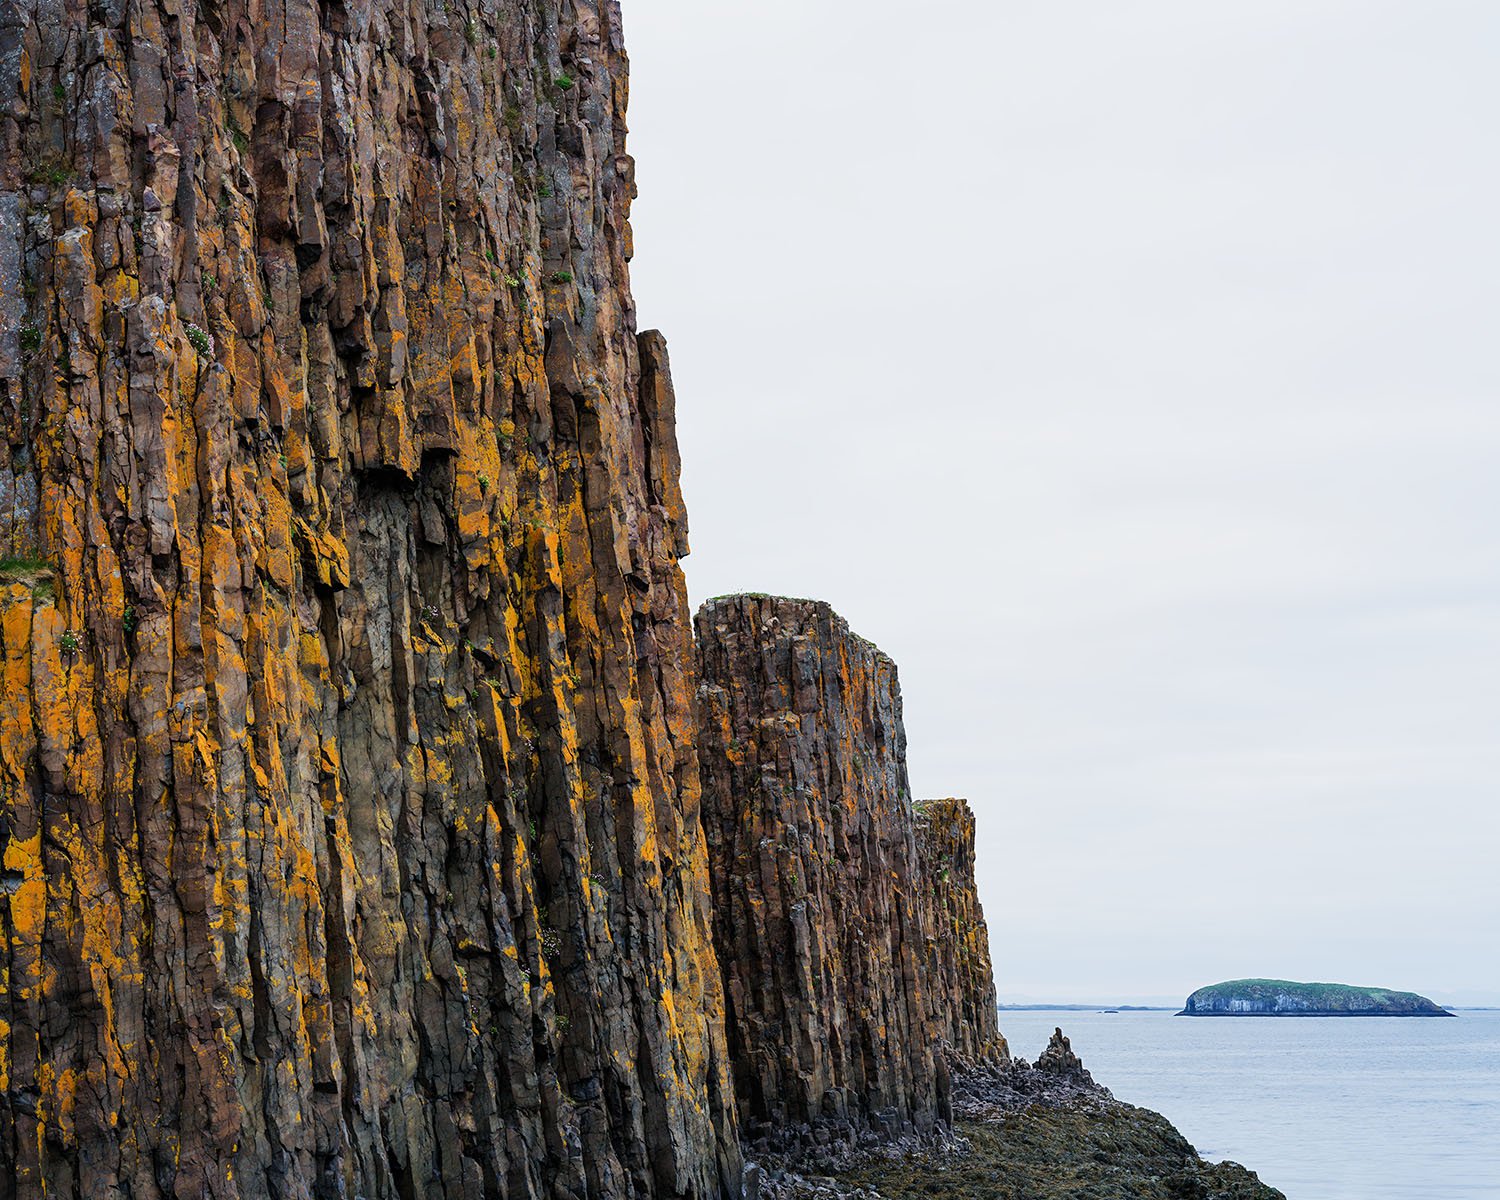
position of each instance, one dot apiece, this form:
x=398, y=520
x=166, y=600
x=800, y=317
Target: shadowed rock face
x=843, y=989
x=348, y=791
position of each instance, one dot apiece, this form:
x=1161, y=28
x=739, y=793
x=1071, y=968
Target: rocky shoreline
x=1021, y=1131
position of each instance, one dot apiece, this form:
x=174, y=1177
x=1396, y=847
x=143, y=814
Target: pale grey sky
x=1128, y=372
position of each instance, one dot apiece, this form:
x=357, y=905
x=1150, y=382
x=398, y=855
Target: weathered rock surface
x=842, y=994
x=961, y=982
x=348, y=790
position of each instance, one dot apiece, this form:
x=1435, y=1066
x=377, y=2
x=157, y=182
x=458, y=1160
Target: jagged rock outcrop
x=1043, y=1132
x=1057, y=1058
x=348, y=790
x=961, y=982
x=841, y=994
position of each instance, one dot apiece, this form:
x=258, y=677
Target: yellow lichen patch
x=28, y=898
x=277, y=551
x=477, y=473
x=329, y=554
x=17, y=736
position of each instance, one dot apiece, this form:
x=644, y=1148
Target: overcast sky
x=1128, y=372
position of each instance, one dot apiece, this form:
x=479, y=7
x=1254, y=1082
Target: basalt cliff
x=371, y=823
x=350, y=804
x=348, y=780
x=855, y=958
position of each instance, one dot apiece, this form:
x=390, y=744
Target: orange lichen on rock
x=349, y=833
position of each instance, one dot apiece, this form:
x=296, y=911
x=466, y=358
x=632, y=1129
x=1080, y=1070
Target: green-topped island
x=1283, y=998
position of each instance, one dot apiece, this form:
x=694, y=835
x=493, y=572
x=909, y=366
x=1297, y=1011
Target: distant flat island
x=1090, y=1008
x=1283, y=998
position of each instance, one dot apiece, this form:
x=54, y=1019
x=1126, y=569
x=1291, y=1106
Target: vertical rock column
x=818, y=906
x=961, y=984
x=349, y=833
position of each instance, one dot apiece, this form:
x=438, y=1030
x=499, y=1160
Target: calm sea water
x=1341, y=1108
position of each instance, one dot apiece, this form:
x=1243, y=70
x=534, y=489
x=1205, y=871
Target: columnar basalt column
x=349, y=833
x=843, y=1003
x=961, y=987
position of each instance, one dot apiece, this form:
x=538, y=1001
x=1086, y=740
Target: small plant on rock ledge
x=201, y=340
x=562, y=276
x=564, y=82
x=70, y=642
x=51, y=172
x=129, y=621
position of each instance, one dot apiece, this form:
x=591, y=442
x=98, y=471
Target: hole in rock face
x=375, y=478
x=10, y=882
